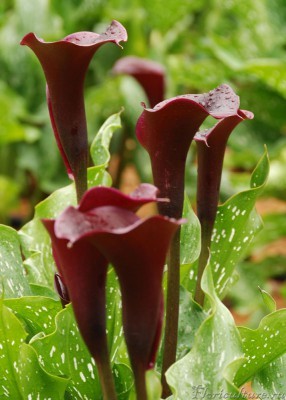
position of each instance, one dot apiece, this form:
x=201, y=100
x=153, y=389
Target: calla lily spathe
x=150, y=75
x=65, y=63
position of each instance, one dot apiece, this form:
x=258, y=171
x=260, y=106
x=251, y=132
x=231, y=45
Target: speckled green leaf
x=236, y=224
x=12, y=279
x=37, y=313
x=63, y=353
x=262, y=345
x=116, y=343
x=34, y=382
x=271, y=379
x=12, y=335
x=123, y=377
x=215, y=356
x=100, y=146
x=190, y=235
x=190, y=319
x=35, y=240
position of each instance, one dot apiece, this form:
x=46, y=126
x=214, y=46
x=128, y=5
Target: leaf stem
x=172, y=311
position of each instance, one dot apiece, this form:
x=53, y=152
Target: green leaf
x=154, y=388
x=43, y=291
x=269, y=302
x=100, y=146
x=190, y=235
x=116, y=342
x=123, y=377
x=38, y=313
x=236, y=224
x=271, y=380
x=12, y=278
x=35, y=383
x=191, y=317
x=262, y=345
x=64, y=353
x=35, y=240
x=215, y=356
x=12, y=335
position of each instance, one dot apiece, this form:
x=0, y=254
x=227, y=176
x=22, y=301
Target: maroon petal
x=65, y=63
x=150, y=74
x=167, y=130
x=73, y=224
x=211, y=147
x=104, y=196
x=84, y=270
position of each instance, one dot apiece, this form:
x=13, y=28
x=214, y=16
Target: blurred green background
x=201, y=43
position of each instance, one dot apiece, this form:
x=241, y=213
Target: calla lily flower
x=167, y=130
x=65, y=63
x=85, y=239
x=150, y=75
x=211, y=146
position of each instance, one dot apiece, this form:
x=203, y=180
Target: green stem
x=172, y=311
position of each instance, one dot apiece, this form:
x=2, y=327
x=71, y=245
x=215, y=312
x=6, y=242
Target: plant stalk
x=140, y=383
x=105, y=375
x=172, y=311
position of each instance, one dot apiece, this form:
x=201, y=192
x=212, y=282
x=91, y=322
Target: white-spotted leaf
x=35, y=383
x=63, y=353
x=262, y=345
x=37, y=313
x=12, y=335
x=12, y=278
x=236, y=225
x=216, y=352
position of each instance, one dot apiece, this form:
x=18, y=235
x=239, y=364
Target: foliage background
x=201, y=43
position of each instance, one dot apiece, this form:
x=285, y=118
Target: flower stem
x=210, y=162
x=81, y=184
x=105, y=376
x=172, y=311
x=140, y=383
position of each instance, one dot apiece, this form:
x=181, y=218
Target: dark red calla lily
x=65, y=63
x=150, y=75
x=85, y=239
x=166, y=132
x=211, y=146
